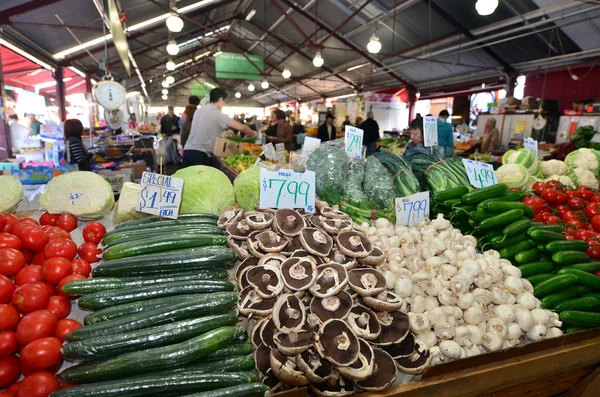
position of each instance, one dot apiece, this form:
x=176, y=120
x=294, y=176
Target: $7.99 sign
x=412, y=209
x=160, y=195
x=287, y=189
x=480, y=174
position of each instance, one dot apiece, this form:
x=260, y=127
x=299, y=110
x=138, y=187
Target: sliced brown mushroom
x=367, y=281
x=338, y=256
x=289, y=222
x=254, y=333
x=316, y=241
x=317, y=221
x=331, y=279
x=239, y=230
x=337, y=226
x=384, y=372
x=337, y=343
x=387, y=301
x=289, y=313
x=362, y=368
x=266, y=281
x=267, y=333
x=245, y=265
x=354, y=244
x=417, y=362
x=337, y=306
x=239, y=246
x=375, y=258
x=285, y=369
x=292, y=246
x=394, y=328
x=336, y=386
x=253, y=247
x=316, y=369
x=313, y=323
x=364, y=323
x=262, y=359
x=402, y=349
x=334, y=213
x=293, y=343
x=229, y=216
x=273, y=259
x=269, y=241
x=299, y=274
x=259, y=220
x=251, y=303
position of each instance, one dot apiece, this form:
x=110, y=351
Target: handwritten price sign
x=430, y=131
x=412, y=209
x=354, y=142
x=269, y=151
x=480, y=174
x=160, y=195
x=287, y=189
x=532, y=145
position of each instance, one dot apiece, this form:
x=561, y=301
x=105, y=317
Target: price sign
x=354, y=142
x=269, y=151
x=287, y=189
x=532, y=145
x=430, y=131
x=310, y=143
x=596, y=138
x=160, y=195
x=412, y=209
x=480, y=174
x=280, y=149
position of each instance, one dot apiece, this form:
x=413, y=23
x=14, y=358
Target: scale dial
x=110, y=94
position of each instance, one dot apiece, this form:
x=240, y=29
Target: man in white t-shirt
x=207, y=124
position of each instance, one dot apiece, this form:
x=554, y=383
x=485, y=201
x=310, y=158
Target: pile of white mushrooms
x=460, y=302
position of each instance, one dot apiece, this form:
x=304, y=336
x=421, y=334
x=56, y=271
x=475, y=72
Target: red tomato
x=34, y=239
x=554, y=184
x=10, y=371
x=93, y=232
x=8, y=343
x=6, y=394
x=40, y=384
x=592, y=209
x=595, y=198
x=576, y=203
x=66, y=385
x=576, y=223
x=59, y=306
x=82, y=267
x=553, y=220
x=30, y=297
x=11, y=261
x=29, y=274
x=594, y=251
x=13, y=389
x=539, y=187
x=67, y=222
x=571, y=193
x=68, y=279
x=568, y=215
x=65, y=327
x=55, y=269
x=61, y=247
x=595, y=222
x=9, y=241
x=7, y=288
x=570, y=237
x=36, y=325
x=39, y=258
x=49, y=219
x=533, y=203
x=55, y=232
x=41, y=354
x=9, y=318
x=28, y=255
x=561, y=198
x=11, y=221
x=21, y=226
x=583, y=234
x=539, y=218
x=3, y=222
x=89, y=252
x=29, y=220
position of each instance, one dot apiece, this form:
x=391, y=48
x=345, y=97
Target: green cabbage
x=125, y=210
x=247, y=188
x=10, y=194
x=513, y=175
x=206, y=190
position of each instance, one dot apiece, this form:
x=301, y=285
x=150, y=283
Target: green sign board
x=200, y=90
x=231, y=65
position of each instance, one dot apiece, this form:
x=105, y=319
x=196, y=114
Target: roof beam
x=341, y=25
x=289, y=18
x=23, y=9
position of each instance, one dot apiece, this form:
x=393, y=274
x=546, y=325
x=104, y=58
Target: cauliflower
x=565, y=180
x=586, y=159
x=581, y=176
x=553, y=168
x=513, y=175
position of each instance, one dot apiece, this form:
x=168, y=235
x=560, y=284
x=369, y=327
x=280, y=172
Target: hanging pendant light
x=286, y=73
x=170, y=79
x=264, y=85
x=172, y=48
x=165, y=83
x=318, y=60
x=486, y=7
x=374, y=45
x=174, y=23
x=165, y=91
x=164, y=97
x=238, y=95
x=251, y=87
x=170, y=65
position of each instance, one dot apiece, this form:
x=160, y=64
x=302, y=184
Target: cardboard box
x=138, y=168
x=117, y=178
x=41, y=175
x=223, y=147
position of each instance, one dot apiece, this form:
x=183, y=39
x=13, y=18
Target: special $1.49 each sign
x=287, y=189
x=160, y=195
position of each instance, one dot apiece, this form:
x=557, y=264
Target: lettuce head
x=10, y=194
x=206, y=190
x=247, y=188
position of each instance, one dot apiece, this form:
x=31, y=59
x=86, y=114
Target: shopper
x=187, y=117
x=370, y=133
x=326, y=131
x=193, y=100
x=416, y=135
x=169, y=123
x=34, y=125
x=75, y=152
x=491, y=137
x=445, y=133
x=132, y=124
x=207, y=124
x=346, y=122
x=280, y=130
x=358, y=121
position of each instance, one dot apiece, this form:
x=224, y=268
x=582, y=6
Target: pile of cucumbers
x=163, y=320
x=559, y=270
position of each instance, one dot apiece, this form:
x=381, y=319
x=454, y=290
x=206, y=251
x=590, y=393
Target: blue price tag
x=480, y=174
x=160, y=195
x=412, y=209
x=287, y=189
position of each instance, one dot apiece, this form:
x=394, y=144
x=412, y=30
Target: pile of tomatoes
x=36, y=260
x=577, y=210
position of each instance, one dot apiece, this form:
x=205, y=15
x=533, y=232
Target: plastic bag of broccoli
x=377, y=184
x=356, y=173
x=330, y=164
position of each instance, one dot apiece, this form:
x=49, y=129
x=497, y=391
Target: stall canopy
x=428, y=46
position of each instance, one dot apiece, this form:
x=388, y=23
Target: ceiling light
x=286, y=73
x=164, y=97
x=170, y=79
x=165, y=83
x=165, y=91
x=318, y=60
x=486, y=7
x=264, y=85
x=210, y=85
x=482, y=85
x=172, y=48
x=174, y=23
x=374, y=45
x=356, y=67
x=238, y=95
x=250, y=14
x=251, y=87
x=171, y=65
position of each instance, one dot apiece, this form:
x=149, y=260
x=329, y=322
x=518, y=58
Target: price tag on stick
x=280, y=149
x=480, y=174
x=353, y=140
x=430, y=131
x=412, y=209
x=532, y=145
x=269, y=151
x=287, y=189
x=160, y=195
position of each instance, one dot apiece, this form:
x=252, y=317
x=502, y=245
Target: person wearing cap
x=326, y=131
x=34, y=125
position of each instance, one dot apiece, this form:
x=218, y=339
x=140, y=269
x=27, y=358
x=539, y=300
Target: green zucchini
x=511, y=251
x=569, y=257
x=157, y=385
x=500, y=242
x=534, y=268
x=247, y=390
x=584, y=278
x=509, y=196
x=134, y=235
x=555, y=284
x=117, y=344
x=586, y=304
x=499, y=207
x=448, y=194
x=479, y=195
x=590, y=267
x=188, y=259
x=548, y=302
x=234, y=349
x=528, y=256
x=580, y=318
x=194, y=306
x=566, y=245
x=163, y=221
x=537, y=278
x=545, y=236
x=517, y=227
x=502, y=220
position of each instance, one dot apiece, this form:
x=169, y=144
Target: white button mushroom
x=450, y=349
x=492, y=342
x=513, y=284
x=465, y=301
x=473, y=315
x=505, y=312
x=419, y=323
x=527, y=300
x=537, y=333
x=403, y=286
x=524, y=319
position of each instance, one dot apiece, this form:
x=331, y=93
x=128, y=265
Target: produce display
x=10, y=194
x=206, y=190
x=240, y=162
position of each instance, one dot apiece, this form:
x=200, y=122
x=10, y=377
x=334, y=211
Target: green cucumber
x=225, y=364
x=234, y=349
x=528, y=256
x=517, y=227
x=580, y=318
x=448, y=194
x=499, y=207
x=500, y=242
x=117, y=344
x=134, y=235
x=509, y=196
x=548, y=302
x=194, y=306
x=188, y=259
x=590, y=267
x=566, y=245
x=247, y=390
x=587, y=279
x=594, y=294
x=479, y=216
x=538, y=278
x=569, y=257
x=450, y=204
x=157, y=385
x=586, y=304
x=112, y=312
x=502, y=220
x=534, y=268
x=102, y=299
x=510, y=251
x=555, y=284
x=163, y=221
x=551, y=228
x=166, y=223
x=162, y=243
x=572, y=330
x=545, y=236
x=479, y=195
